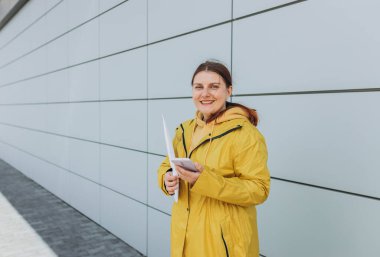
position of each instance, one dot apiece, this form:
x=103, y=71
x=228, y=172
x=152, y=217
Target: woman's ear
x=229, y=90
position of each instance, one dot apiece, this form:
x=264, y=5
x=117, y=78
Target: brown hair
x=223, y=71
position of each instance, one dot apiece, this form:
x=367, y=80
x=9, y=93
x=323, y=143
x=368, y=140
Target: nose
x=205, y=92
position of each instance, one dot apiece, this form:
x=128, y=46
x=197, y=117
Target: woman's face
x=210, y=93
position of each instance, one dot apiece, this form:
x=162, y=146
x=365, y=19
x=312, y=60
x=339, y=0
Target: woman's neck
x=206, y=117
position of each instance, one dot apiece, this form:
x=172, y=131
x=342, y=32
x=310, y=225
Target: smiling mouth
x=207, y=102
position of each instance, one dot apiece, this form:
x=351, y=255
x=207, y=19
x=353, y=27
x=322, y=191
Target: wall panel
x=31, y=142
x=324, y=139
x=28, y=91
x=35, y=36
x=57, y=150
x=57, y=21
x=117, y=216
x=57, y=86
x=124, y=124
x=29, y=116
x=84, y=159
x=83, y=121
x=124, y=171
x=327, y=223
x=84, y=82
x=298, y=49
x=49, y=176
x=105, y=5
x=172, y=63
x=158, y=234
x=57, y=54
x=83, y=43
x=124, y=76
x=130, y=18
x=81, y=11
x=242, y=7
x=32, y=91
x=170, y=18
x=58, y=118
x=83, y=195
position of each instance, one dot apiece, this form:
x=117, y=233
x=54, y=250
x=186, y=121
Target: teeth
x=206, y=102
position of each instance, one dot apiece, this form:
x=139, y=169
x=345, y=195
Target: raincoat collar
x=231, y=120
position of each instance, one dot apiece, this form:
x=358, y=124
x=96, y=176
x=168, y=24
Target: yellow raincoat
x=217, y=215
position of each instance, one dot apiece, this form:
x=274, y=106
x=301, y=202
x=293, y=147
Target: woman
x=215, y=214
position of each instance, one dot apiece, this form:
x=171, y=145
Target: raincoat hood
x=230, y=114
x=202, y=129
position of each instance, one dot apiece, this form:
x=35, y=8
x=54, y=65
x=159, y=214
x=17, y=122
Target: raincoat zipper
x=184, y=146
x=205, y=141
x=183, y=139
x=225, y=245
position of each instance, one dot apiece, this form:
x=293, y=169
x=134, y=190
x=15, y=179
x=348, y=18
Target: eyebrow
x=212, y=83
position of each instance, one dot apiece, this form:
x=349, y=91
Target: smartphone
x=185, y=163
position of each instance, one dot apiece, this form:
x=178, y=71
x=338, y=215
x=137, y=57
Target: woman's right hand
x=171, y=182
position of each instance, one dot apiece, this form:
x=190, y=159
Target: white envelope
x=171, y=155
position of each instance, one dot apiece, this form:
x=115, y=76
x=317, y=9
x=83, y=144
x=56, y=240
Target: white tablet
x=185, y=163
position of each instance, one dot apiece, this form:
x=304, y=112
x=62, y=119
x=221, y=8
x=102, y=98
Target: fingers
x=198, y=166
x=186, y=175
x=170, y=177
x=171, y=182
x=181, y=172
x=171, y=190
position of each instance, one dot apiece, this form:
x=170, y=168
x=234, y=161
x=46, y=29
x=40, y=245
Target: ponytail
x=252, y=114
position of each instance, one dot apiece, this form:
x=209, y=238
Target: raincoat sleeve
x=165, y=167
x=251, y=183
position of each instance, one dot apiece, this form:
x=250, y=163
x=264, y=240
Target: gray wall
x=83, y=85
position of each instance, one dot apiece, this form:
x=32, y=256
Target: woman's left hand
x=189, y=176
